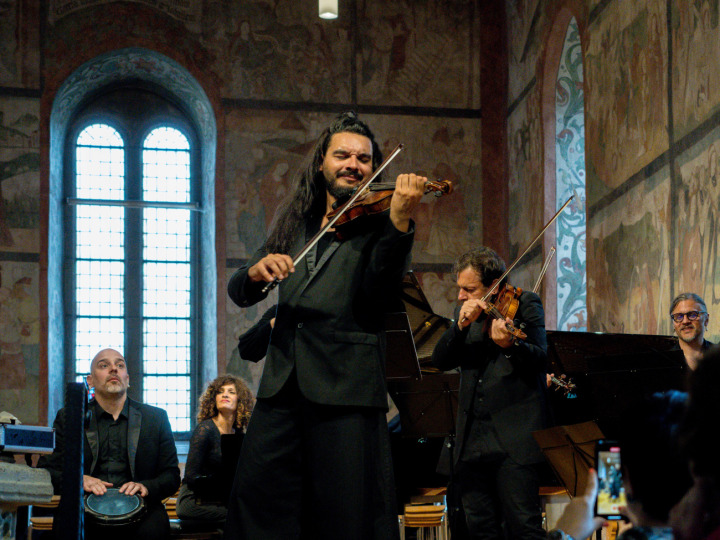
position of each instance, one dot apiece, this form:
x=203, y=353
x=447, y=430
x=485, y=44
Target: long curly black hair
x=307, y=199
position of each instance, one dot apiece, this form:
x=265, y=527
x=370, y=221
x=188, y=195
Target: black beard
x=339, y=192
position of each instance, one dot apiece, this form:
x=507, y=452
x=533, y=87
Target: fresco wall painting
x=19, y=253
x=629, y=244
x=625, y=72
x=697, y=224
x=570, y=262
x=696, y=47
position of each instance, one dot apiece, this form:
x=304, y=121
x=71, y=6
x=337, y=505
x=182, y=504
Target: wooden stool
x=428, y=513
x=42, y=523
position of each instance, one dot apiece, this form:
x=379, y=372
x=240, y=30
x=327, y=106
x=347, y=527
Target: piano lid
x=425, y=325
x=583, y=352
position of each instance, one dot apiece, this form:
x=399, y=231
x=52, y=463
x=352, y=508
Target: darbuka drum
x=113, y=508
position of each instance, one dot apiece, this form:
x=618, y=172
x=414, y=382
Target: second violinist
x=501, y=402
x=315, y=461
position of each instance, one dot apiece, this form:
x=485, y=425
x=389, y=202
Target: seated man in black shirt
x=128, y=445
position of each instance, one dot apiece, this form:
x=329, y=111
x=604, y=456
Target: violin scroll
x=439, y=187
x=566, y=386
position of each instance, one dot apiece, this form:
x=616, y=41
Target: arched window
x=132, y=194
x=570, y=179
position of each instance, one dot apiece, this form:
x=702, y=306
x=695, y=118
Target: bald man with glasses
x=690, y=320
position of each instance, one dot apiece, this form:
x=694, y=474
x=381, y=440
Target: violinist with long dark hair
x=501, y=401
x=315, y=460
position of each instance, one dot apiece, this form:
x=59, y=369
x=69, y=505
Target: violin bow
x=359, y=192
x=530, y=245
x=536, y=288
x=494, y=287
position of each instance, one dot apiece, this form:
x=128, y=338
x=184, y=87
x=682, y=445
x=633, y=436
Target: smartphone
x=611, y=493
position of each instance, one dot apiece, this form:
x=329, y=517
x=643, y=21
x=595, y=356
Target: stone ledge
x=21, y=485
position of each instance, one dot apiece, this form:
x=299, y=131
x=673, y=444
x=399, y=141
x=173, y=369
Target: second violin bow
x=536, y=288
x=530, y=245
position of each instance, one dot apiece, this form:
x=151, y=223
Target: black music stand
x=401, y=357
x=68, y=523
x=570, y=451
x=428, y=407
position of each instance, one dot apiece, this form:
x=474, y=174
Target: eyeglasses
x=691, y=316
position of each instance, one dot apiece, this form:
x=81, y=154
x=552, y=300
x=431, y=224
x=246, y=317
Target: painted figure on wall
x=629, y=133
x=628, y=292
x=19, y=175
x=696, y=39
x=698, y=219
x=12, y=361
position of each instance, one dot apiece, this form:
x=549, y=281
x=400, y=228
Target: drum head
x=114, y=508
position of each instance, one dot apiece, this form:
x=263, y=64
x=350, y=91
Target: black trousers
x=501, y=499
x=188, y=508
x=313, y=471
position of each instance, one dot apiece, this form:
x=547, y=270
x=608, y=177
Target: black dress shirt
x=113, y=465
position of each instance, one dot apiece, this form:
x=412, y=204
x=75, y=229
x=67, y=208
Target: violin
x=505, y=307
x=375, y=201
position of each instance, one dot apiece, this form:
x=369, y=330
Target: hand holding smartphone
x=611, y=493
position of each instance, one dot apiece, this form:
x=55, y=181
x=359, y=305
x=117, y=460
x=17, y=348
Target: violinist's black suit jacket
x=329, y=321
x=151, y=451
x=327, y=344
x=512, y=380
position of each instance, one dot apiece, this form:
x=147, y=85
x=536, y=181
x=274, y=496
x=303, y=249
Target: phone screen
x=611, y=494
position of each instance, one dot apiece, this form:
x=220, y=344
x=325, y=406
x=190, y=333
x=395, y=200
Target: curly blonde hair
x=208, y=406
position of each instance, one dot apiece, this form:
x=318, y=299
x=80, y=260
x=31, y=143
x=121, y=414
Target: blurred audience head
x=697, y=515
x=656, y=473
x=700, y=433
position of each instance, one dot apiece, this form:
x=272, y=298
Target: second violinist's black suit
x=501, y=402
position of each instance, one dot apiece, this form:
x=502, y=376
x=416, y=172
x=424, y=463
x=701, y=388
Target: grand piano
x=612, y=373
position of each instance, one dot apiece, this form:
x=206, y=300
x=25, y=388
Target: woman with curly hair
x=222, y=417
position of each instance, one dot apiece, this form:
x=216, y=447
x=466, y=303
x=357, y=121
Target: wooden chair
x=41, y=523
x=427, y=513
x=429, y=519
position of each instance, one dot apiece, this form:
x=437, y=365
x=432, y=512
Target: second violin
x=505, y=307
